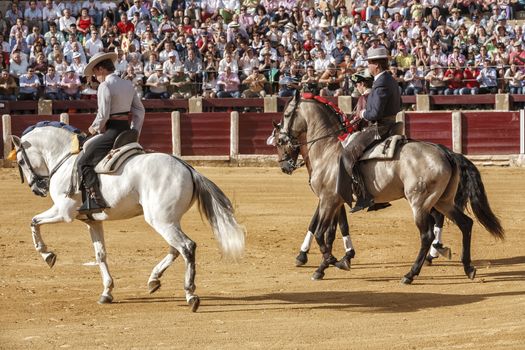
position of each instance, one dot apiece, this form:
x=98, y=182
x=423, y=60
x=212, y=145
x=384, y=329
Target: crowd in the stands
x=254, y=48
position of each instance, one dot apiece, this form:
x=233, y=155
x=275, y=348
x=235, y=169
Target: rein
x=41, y=181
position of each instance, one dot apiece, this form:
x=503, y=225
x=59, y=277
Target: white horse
x=157, y=185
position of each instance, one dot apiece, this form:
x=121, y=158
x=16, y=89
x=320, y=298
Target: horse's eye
x=21, y=162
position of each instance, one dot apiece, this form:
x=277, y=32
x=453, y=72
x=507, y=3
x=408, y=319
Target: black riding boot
x=364, y=198
x=94, y=202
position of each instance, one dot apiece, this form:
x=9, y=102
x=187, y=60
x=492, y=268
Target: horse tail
x=471, y=189
x=219, y=212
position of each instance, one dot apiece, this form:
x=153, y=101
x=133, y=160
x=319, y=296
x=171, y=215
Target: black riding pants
x=98, y=150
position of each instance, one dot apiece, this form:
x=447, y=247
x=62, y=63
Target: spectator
x=125, y=25
x=453, y=77
x=29, y=84
x=13, y=14
x=487, y=79
x=228, y=61
x=52, y=85
x=322, y=62
x=171, y=65
x=83, y=23
x=228, y=84
x=94, y=11
x=54, y=33
x=256, y=83
x=414, y=79
x=470, y=75
x=339, y=52
x=18, y=65
x=93, y=45
x=111, y=43
x=193, y=69
x=65, y=22
x=209, y=85
x=70, y=84
x=18, y=27
x=332, y=79
x=435, y=80
x=514, y=78
x=7, y=86
x=289, y=83
x=158, y=85
x=310, y=81
x=121, y=65
x=33, y=15
x=77, y=64
x=181, y=83
x=130, y=75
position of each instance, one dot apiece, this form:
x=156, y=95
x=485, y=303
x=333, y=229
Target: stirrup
x=361, y=204
x=90, y=206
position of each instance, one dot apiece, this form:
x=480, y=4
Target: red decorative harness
x=347, y=126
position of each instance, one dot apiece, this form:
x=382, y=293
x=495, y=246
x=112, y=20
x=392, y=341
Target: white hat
x=70, y=69
x=289, y=26
x=96, y=59
x=76, y=55
x=172, y=54
x=324, y=24
x=234, y=24
x=377, y=53
x=158, y=67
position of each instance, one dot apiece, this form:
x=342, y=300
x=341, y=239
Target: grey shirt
x=116, y=95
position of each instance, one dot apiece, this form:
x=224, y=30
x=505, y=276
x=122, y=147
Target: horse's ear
x=16, y=141
x=276, y=125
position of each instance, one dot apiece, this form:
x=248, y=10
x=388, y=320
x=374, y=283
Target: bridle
x=293, y=143
x=41, y=181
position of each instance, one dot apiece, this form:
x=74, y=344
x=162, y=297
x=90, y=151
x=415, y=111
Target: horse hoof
x=301, y=259
x=51, y=258
x=153, y=286
x=406, y=280
x=446, y=252
x=194, y=303
x=317, y=276
x=471, y=273
x=428, y=260
x=105, y=299
x=343, y=264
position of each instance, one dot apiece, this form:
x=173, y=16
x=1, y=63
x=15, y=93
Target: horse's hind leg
x=96, y=231
x=465, y=225
x=156, y=273
x=177, y=239
x=424, y=223
x=345, y=262
x=437, y=248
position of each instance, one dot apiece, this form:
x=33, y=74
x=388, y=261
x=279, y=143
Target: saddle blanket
x=385, y=149
x=114, y=159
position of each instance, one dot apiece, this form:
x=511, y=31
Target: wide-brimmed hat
x=158, y=67
x=377, y=53
x=289, y=26
x=96, y=59
x=234, y=24
x=362, y=76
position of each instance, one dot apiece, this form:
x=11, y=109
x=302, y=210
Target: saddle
x=124, y=147
x=384, y=149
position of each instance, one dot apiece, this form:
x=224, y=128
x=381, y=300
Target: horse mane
x=55, y=124
x=325, y=120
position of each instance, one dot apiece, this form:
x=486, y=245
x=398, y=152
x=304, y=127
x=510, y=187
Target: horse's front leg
x=50, y=216
x=425, y=224
x=345, y=262
x=325, y=236
x=302, y=257
x=96, y=230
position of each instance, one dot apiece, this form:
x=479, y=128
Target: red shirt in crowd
x=123, y=28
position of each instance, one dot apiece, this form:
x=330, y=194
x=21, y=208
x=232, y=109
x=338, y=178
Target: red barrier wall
x=254, y=129
x=431, y=127
x=81, y=121
x=205, y=134
x=491, y=133
x=20, y=122
x=156, y=132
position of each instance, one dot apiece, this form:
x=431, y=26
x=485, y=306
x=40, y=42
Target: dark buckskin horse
x=425, y=174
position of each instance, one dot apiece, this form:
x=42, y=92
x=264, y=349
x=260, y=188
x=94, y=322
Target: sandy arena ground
x=263, y=302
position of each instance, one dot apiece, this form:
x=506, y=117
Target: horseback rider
x=382, y=105
x=118, y=103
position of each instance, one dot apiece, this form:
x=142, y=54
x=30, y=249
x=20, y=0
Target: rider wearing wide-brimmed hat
x=382, y=105
x=118, y=103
